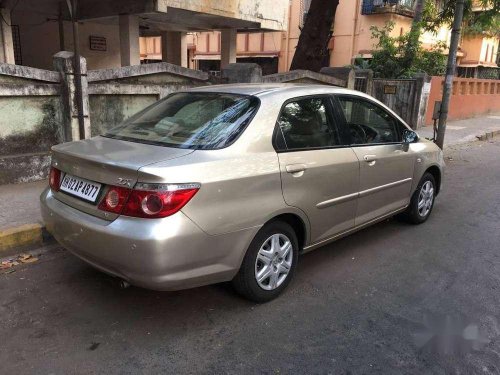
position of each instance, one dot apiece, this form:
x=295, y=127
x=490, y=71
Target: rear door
x=386, y=164
x=320, y=174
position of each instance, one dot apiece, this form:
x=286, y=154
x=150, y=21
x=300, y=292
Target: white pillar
x=228, y=47
x=129, y=40
x=174, y=48
x=6, y=42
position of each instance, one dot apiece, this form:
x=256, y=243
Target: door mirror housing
x=409, y=136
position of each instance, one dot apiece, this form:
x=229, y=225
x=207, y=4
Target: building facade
x=203, y=50
x=352, y=37
x=109, y=31
x=206, y=34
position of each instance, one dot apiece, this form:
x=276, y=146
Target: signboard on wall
x=97, y=43
x=389, y=89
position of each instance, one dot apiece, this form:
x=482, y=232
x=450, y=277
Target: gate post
x=422, y=92
x=63, y=63
x=345, y=74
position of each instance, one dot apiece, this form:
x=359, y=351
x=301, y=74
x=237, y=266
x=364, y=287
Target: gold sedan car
x=233, y=182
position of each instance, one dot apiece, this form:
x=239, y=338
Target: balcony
x=402, y=7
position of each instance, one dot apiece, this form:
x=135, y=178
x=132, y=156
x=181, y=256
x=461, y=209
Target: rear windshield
x=190, y=120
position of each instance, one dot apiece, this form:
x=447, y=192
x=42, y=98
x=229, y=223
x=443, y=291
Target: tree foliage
x=390, y=55
x=480, y=16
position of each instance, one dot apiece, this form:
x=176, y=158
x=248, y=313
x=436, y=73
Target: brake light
x=149, y=200
x=115, y=199
x=54, y=179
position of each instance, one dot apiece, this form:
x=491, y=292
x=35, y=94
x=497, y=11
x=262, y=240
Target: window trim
x=343, y=120
x=331, y=116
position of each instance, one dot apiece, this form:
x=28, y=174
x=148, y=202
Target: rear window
x=190, y=120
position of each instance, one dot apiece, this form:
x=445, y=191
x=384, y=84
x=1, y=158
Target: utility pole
x=450, y=71
x=73, y=9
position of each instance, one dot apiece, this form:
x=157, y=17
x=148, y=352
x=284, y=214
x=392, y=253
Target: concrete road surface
x=357, y=306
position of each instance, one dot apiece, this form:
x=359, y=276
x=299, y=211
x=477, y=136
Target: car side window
x=368, y=123
x=306, y=124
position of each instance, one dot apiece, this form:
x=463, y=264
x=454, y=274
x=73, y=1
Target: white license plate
x=80, y=187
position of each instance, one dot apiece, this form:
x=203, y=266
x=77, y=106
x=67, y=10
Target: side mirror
x=409, y=136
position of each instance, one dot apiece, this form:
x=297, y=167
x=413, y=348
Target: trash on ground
x=12, y=262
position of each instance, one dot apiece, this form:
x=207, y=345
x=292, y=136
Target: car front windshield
x=190, y=120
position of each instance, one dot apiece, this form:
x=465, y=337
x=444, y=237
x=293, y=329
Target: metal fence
x=376, y=6
x=361, y=84
x=480, y=72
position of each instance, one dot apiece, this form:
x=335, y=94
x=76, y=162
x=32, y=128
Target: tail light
x=54, y=179
x=115, y=199
x=149, y=200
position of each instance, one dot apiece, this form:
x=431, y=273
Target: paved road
x=353, y=307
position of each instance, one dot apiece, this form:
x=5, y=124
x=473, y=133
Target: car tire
x=425, y=195
x=267, y=254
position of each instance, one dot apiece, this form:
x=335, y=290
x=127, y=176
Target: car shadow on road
x=326, y=261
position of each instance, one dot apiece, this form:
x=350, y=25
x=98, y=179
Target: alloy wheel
x=274, y=261
x=425, y=198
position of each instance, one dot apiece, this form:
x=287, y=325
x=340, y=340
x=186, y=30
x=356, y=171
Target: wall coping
x=29, y=73
x=142, y=70
x=33, y=89
x=469, y=79
x=298, y=74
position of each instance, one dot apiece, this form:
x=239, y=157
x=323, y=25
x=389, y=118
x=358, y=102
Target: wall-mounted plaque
x=97, y=43
x=389, y=89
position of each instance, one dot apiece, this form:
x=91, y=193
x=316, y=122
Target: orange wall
x=470, y=97
x=480, y=50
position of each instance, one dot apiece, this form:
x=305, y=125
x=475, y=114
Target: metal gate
x=399, y=95
x=361, y=84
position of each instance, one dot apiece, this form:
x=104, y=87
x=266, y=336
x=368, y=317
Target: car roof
x=287, y=90
x=264, y=89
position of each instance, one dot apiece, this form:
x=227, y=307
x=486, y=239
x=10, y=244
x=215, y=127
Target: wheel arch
x=436, y=173
x=298, y=222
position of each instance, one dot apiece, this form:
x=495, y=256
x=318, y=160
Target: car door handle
x=370, y=159
x=296, y=169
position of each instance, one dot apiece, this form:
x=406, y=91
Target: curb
x=488, y=135
x=22, y=236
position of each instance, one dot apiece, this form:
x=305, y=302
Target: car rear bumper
x=163, y=254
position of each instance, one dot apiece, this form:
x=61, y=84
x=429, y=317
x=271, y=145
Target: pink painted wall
x=470, y=97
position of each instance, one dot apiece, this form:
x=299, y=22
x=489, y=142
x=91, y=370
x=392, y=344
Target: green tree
x=413, y=38
x=480, y=16
x=391, y=60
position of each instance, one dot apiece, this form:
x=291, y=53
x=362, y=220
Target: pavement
x=19, y=204
x=468, y=130
x=21, y=224
x=361, y=305
x=20, y=220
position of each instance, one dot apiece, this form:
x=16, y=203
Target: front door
x=386, y=164
x=320, y=175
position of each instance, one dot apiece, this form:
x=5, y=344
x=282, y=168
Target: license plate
x=80, y=187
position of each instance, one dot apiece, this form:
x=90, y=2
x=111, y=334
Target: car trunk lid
x=107, y=161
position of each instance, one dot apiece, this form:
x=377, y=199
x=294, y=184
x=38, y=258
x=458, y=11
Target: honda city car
x=234, y=182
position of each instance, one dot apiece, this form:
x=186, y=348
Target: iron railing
x=402, y=7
